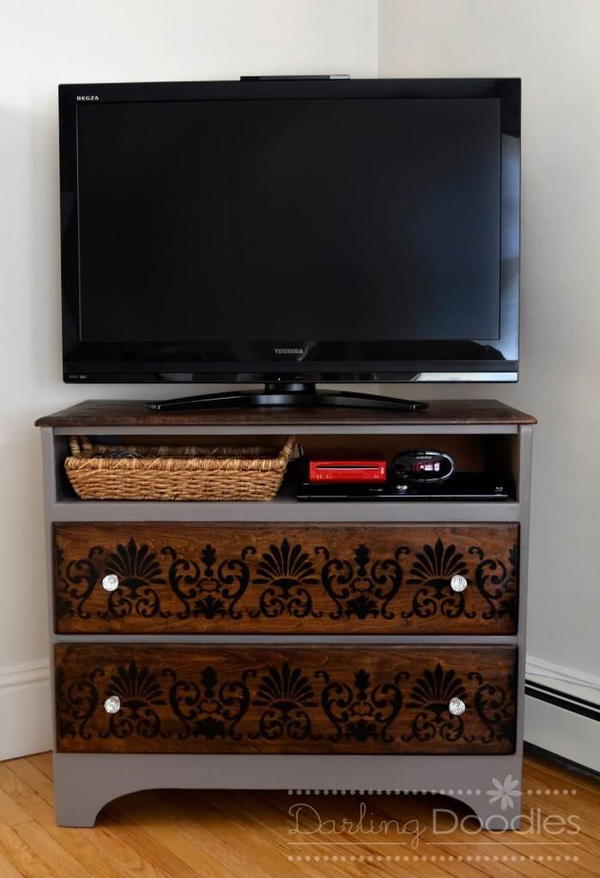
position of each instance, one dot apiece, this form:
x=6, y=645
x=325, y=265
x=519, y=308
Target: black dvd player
x=460, y=486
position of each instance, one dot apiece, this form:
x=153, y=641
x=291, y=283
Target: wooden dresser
x=286, y=644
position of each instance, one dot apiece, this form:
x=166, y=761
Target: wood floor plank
x=200, y=822
x=222, y=834
x=125, y=856
x=52, y=852
x=447, y=850
x=586, y=800
x=122, y=826
x=43, y=762
x=28, y=773
x=11, y=813
x=26, y=860
x=579, y=779
x=152, y=811
x=7, y=869
x=88, y=854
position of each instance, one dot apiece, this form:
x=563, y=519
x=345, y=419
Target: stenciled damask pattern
x=210, y=707
x=362, y=587
x=285, y=694
x=138, y=570
x=361, y=711
x=493, y=704
x=75, y=583
x=495, y=707
x=139, y=692
x=76, y=702
x=210, y=588
x=288, y=574
x=497, y=583
x=432, y=570
x=431, y=695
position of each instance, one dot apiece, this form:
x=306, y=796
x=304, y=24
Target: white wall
x=41, y=45
x=553, y=45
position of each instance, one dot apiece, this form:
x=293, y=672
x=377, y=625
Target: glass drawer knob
x=112, y=704
x=458, y=582
x=457, y=706
x=110, y=582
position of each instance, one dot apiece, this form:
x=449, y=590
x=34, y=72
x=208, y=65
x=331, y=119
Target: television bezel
x=353, y=361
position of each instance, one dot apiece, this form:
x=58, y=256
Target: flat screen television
x=290, y=231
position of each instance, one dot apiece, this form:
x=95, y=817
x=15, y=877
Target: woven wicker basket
x=176, y=472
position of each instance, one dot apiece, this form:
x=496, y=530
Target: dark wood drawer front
x=338, y=578
x=276, y=699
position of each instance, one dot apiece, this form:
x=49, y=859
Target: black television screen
x=326, y=230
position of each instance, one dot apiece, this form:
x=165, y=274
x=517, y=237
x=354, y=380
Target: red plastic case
x=347, y=471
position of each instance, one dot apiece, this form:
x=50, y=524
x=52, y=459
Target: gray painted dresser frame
x=85, y=782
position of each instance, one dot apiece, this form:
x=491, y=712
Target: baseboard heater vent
x=562, y=724
x=564, y=700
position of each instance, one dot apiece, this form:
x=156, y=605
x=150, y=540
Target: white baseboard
x=558, y=727
x=566, y=679
x=26, y=726
x=25, y=718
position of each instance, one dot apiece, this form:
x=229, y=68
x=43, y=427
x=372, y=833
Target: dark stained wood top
x=133, y=413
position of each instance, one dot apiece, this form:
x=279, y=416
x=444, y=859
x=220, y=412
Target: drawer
x=292, y=578
x=274, y=699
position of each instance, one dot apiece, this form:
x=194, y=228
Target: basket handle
x=289, y=446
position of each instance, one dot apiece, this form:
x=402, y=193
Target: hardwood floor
x=179, y=834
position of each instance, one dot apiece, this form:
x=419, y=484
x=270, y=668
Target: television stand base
x=285, y=393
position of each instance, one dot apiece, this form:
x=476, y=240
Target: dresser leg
x=490, y=815
x=493, y=818
x=75, y=806
x=80, y=791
